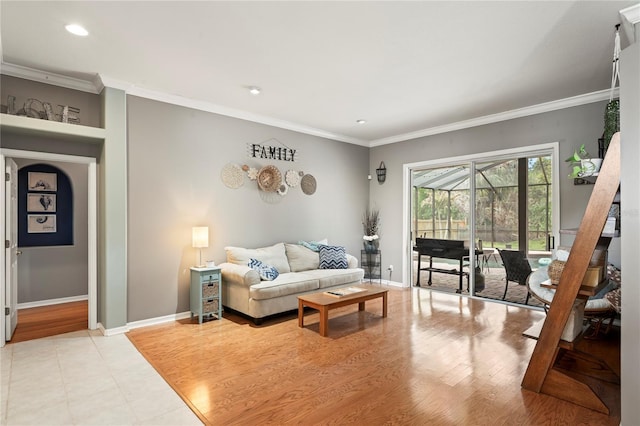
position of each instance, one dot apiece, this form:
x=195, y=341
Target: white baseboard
x=158, y=320
x=385, y=282
x=49, y=302
x=395, y=284
x=142, y=323
x=112, y=331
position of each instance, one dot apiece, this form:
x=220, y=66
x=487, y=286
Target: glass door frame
x=548, y=149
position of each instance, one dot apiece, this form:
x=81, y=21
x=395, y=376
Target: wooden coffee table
x=324, y=303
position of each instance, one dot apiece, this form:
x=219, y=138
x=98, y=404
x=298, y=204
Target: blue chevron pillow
x=266, y=272
x=333, y=257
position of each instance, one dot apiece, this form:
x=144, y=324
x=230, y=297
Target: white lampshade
x=200, y=236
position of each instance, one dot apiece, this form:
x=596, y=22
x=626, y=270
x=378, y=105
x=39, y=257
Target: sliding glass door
x=513, y=199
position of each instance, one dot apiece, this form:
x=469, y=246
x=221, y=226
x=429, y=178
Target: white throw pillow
x=274, y=255
x=301, y=258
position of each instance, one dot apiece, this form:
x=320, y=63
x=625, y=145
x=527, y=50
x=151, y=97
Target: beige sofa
x=299, y=273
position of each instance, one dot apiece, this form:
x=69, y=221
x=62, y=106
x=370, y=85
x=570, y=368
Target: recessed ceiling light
x=254, y=90
x=77, y=30
x=361, y=121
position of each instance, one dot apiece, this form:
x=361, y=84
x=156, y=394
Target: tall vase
x=371, y=246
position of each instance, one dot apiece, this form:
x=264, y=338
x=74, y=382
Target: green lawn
x=536, y=245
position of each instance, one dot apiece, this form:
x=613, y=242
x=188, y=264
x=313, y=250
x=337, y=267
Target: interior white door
x=12, y=252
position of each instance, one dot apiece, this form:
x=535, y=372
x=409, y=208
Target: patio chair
x=517, y=269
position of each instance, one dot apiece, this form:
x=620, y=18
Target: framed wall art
x=41, y=224
x=39, y=181
x=41, y=203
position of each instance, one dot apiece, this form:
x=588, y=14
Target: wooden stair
x=554, y=369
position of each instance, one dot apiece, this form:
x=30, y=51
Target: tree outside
x=444, y=213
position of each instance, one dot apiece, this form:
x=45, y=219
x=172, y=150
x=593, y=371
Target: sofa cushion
x=285, y=284
x=333, y=277
x=333, y=257
x=266, y=272
x=274, y=255
x=301, y=258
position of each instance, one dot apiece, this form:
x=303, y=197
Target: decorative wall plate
x=269, y=178
x=252, y=173
x=283, y=189
x=292, y=178
x=232, y=176
x=308, y=184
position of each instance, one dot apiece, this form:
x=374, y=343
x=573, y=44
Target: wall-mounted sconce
x=381, y=172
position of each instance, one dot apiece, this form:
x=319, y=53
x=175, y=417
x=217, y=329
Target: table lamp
x=200, y=239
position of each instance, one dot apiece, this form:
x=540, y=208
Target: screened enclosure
x=441, y=203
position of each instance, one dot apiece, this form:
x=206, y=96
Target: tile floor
x=84, y=378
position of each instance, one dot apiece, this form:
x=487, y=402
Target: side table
x=371, y=262
x=205, y=296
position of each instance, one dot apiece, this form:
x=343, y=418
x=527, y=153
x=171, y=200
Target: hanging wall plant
x=612, y=111
x=611, y=121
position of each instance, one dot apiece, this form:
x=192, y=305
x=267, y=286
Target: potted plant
x=582, y=165
x=370, y=224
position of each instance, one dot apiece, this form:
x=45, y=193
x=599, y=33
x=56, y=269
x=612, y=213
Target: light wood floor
x=437, y=359
x=45, y=321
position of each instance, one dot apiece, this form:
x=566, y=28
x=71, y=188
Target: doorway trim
x=408, y=168
x=92, y=225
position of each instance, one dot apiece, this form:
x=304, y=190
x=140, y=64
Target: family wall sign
x=265, y=151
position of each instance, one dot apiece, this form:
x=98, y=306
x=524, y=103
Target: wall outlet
x=390, y=268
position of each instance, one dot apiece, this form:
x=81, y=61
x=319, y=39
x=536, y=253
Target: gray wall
x=55, y=272
x=570, y=127
x=175, y=157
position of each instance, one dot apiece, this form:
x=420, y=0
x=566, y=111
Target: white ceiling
x=405, y=67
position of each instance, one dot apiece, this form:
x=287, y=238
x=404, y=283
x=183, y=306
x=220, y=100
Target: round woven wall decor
x=252, y=173
x=308, y=184
x=232, y=176
x=292, y=178
x=269, y=178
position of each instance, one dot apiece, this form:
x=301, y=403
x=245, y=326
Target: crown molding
x=630, y=17
x=100, y=81
x=134, y=90
x=631, y=14
x=501, y=116
x=48, y=78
